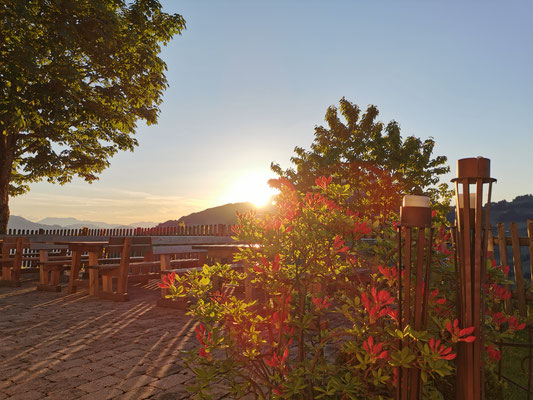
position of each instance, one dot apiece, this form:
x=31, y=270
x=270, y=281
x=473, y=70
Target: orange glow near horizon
x=251, y=187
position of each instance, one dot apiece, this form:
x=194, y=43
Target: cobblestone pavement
x=60, y=346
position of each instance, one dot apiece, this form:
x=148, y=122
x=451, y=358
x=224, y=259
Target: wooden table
x=165, y=253
x=48, y=279
x=224, y=253
x=77, y=248
x=221, y=252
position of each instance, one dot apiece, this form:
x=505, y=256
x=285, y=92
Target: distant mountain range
x=16, y=222
x=518, y=210
x=225, y=214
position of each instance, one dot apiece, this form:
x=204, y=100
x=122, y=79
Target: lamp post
x=472, y=226
x=415, y=217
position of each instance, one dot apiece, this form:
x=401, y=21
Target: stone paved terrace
x=60, y=346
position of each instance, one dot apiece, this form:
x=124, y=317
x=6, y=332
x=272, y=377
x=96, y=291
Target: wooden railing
x=522, y=351
x=520, y=293
x=193, y=230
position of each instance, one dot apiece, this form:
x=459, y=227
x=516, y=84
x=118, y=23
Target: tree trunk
x=6, y=163
x=4, y=207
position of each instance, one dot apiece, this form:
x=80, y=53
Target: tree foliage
x=371, y=157
x=75, y=78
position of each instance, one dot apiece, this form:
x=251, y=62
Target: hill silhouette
x=225, y=214
x=519, y=210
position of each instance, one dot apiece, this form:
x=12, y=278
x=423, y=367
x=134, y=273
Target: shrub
x=324, y=323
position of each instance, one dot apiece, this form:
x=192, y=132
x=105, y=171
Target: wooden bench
x=11, y=261
x=51, y=267
x=116, y=276
x=53, y=261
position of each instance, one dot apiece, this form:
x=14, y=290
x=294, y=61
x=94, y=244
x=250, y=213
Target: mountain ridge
x=224, y=214
x=18, y=222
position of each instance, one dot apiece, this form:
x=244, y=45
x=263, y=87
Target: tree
x=75, y=77
x=372, y=158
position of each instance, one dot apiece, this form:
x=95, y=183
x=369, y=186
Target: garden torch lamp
x=413, y=288
x=471, y=241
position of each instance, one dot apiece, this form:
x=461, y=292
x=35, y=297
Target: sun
x=252, y=187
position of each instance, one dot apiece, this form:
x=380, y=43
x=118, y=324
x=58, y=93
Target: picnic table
x=77, y=248
x=50, y=267
x=129, y=268
x=224, y=253
x=221, y=252
x=166, y=252
x=11, y=260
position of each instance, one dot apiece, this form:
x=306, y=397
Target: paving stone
x=106, y=393
x=135, y=382
x=177, y=393
x=99, y=373
x=171, y=381
x=71, y=350
x=165, y=370
x=132, y=354
x=5, y=384
x=28, y=395
x=7, y=373
x=131, y=372
x=144, y=392
x=67, y=364
x=100, y=355
x=79, y=353
x=68, y=373
x=39, y=384
x=67, y=383
x=67, y=394
x=126, y=364
x=99, y=384
x=47, y=351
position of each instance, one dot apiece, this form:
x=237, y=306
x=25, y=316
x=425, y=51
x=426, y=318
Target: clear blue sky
x=249, y=80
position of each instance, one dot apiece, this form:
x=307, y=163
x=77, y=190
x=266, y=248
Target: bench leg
x=6, y=273
x=74, y=272
x=144, y=272
x=43, y=276
x=54, y=277
x=93, y=282
x=107, y=283
x=122, y=285
x=15, y=276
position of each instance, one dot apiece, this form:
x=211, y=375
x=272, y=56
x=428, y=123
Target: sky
x=249, y=80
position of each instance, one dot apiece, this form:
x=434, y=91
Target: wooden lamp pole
x=413, y=299
x=472, y=224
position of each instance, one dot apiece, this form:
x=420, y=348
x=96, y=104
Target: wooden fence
x=519, y=247
x=522, y=251
x=193, y=230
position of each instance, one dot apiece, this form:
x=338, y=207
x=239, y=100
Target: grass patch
x=512, y=367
